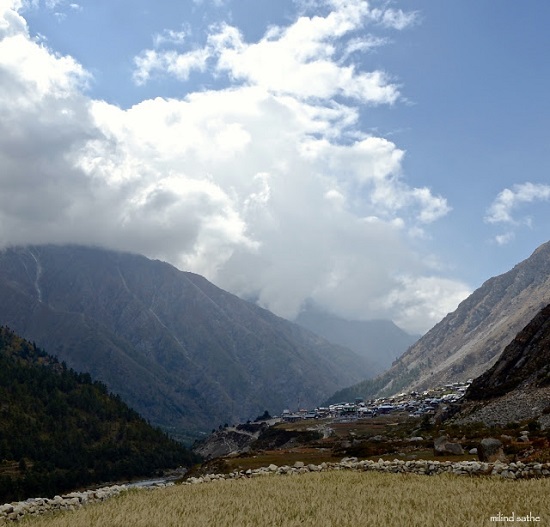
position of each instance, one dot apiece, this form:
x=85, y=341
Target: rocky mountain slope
x=185, y=354
x=524, y=363
x=379, y=341
x=517, y=386
x=59, y=430
x=469, y=341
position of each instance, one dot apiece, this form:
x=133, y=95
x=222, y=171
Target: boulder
x=444, y=447
x=490, y=450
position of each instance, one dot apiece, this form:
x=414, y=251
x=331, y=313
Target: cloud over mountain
x=266, y=185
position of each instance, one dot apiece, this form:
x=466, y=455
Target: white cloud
x=268, y=189
x=59, y=8
x=11, y=23
x=362, y=44
x=432, y=207
x=394, y=18
x=216, y=3
x=503, y=239
x=300, y=60
x=502, y=207
x=37, y=71
x=419, y=299
x=180, y=65
x=508, y=201
x=169, y=36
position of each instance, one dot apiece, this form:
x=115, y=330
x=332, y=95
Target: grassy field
x=334, y=498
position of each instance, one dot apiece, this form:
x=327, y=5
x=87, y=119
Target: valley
x=179, y=350
x=135, y=321
x=281, y=263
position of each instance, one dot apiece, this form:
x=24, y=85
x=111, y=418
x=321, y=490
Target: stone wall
x=10, y=512
x=468, y=468
x=15, y=511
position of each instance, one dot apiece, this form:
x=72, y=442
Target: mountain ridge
x=184, y=353
x=524, y=363
x=469, y=340
x=379, y=341
x=517, y=387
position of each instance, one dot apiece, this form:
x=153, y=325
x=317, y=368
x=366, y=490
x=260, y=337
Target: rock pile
x=15, y=511
x=515, y=406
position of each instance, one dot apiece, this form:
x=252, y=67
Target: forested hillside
x=59, y=430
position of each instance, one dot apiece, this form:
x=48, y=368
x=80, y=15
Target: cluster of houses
x=415, y=404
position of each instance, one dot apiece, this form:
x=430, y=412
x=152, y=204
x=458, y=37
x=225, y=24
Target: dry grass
x=335, y=498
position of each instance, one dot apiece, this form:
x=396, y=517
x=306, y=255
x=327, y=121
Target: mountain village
x=415, y=404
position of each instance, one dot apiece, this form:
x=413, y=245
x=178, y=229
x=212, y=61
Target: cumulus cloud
x=300, y=60
x=180, y=65
x=265, y=187
x=11, y=23
x=508, y=201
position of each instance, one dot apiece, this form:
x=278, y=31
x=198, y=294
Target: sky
x=377, y=159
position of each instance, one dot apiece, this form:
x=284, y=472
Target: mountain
x=378, y=341
x=517, y=386
x=185, y=354
x=60, y=431
x=468, y=341
x=524, y=363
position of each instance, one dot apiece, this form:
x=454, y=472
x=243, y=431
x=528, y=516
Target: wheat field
x=337, y=498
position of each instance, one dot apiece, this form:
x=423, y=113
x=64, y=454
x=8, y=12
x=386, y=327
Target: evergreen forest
x=60, y=430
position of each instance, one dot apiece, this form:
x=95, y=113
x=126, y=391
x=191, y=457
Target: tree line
x=60, y=430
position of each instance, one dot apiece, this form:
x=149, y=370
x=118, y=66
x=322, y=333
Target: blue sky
x=382, y=159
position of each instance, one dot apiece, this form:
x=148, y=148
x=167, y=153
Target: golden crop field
x=334, y=498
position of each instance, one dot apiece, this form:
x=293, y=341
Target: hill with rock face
x=469, y=341
x=524, y=364
x=517, y=386
x=185, y=354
